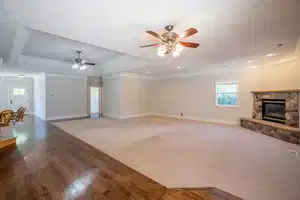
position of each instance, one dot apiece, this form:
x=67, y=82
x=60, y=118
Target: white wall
x=40, y=96
x=195, y=95
x=111, y=96
x=134, y=93
x=7, y=83
x=66, y=97
x=126, y=95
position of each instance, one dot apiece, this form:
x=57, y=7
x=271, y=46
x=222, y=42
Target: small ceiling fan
x=171, y=41
x=80, y=63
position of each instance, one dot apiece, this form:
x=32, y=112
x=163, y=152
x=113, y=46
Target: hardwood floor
x=51, y=164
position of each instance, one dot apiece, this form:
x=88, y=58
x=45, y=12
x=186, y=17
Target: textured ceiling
x=110, y=32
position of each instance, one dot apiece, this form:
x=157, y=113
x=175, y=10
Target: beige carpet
x=181, y=153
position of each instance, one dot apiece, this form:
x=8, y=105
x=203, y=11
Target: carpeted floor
x=182, y=153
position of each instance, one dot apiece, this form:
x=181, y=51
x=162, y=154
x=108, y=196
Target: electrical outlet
x=293, y=151
x=181, y=114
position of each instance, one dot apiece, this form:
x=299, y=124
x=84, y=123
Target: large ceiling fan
x=171, y=41
x=79, y=63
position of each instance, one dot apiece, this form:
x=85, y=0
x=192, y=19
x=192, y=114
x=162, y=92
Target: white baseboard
x=111, y=116
x=126, y=116
x=134, y=115
x=66, y=117
x=215, y=121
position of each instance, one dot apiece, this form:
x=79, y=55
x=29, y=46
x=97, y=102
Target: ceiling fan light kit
x=170, y=41
x=80, y=63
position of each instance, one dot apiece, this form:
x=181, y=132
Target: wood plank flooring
x=51, y=164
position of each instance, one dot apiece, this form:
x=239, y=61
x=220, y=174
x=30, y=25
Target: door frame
x=99, y=99
x=10, y=94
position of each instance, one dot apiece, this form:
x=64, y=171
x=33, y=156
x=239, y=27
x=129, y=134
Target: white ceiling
x=110, y=32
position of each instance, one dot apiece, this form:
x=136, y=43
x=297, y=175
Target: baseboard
x=134, y=115
x=125, y=116
x=66, y=117
x=111, y=116
x=215, y=121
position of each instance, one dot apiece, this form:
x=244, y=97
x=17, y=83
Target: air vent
x=293, y=152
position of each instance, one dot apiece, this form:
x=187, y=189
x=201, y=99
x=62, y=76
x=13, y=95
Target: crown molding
x=222, y=70
x=133, y=75
x=129, y=75
x=66, y=76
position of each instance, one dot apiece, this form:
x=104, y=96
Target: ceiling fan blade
x=153, y=34
x=189, y=44
x=189, y=32
x=150, y=45
x=68, y=60
x=89, y=63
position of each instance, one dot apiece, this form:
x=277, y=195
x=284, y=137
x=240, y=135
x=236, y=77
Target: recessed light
x=178, y=67
x=254, y=67
x=148, y=72
x=250, y=61
x=21, y=76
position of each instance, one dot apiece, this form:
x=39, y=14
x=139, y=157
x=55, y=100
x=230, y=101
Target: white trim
x=126, y=116
x=134, y=115
x=66, y=76
x=214, y=121
x=220, y=70
x=66, y=117
x=127, y=74
x=111, y=116
x=133, y=75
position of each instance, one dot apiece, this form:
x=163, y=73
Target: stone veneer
x=279, y=131
x=291, y=107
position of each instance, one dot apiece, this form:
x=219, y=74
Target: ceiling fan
x=171, y=41
x=80, y=63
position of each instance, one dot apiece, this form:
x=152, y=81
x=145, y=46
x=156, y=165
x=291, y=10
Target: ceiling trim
x=129, y=75
x=133, y=75
x=222, y=70
x=66, y=76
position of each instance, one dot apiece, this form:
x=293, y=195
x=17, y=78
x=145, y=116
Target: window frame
x=237, y=93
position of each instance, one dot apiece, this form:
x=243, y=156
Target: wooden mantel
x=269, y=91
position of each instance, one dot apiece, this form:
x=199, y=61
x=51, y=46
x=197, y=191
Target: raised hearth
x=279, y=131
x=276, y=114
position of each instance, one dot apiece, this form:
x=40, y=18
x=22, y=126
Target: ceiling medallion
x=170, y=41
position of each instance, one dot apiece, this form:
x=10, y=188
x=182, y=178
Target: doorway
x=95, y=100
x=18, y=98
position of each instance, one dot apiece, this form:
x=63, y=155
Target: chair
x=19, y=115
x=6, y=117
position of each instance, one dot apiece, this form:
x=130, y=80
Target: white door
x=18, y=98
x=95, y=100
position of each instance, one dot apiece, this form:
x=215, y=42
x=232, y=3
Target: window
x=227, y=93
x=18, y=91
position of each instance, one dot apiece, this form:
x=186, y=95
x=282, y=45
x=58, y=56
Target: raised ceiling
x=110, y=32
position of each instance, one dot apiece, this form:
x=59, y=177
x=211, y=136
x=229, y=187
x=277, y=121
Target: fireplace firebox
x=274, y=110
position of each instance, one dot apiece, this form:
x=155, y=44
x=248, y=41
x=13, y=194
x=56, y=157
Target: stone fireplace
x=276, y=114
x=277, y=103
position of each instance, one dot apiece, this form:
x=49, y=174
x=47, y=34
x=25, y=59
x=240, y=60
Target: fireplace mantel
x=277, y=91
